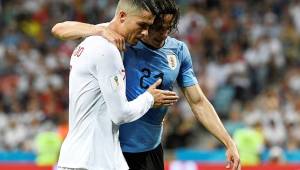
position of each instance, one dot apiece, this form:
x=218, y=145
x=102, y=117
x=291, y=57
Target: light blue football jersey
x=143, y=65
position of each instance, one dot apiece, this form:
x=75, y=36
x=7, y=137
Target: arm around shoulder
x=74, y=30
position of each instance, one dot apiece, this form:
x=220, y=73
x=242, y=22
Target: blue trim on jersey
x=143, y=67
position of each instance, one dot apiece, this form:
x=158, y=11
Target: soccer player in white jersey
x=97, y=99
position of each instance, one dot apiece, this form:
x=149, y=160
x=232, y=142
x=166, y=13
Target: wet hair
x=166, y=7
x=137, y=5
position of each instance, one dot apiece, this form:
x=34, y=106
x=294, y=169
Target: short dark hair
x=148, y=5
x=167, y=7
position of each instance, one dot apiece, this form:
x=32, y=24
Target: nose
x=165, y=33
x=144, y=33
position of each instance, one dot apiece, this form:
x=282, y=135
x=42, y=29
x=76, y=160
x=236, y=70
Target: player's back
x=92, y=141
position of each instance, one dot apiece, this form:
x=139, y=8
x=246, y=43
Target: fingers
x=169, y=102
x=123, y=44
x=120, y=42
x=233, y=163
x=166, y=98
x=167, y=92
x=162, y=97
x=236, y=164
x=228, y=165
x=239, y=166
x=156, y=84
x=115, y=38
x=169, y=99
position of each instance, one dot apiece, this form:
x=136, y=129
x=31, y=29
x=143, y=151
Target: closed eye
x=143, y=25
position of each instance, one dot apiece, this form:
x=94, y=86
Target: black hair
x=159, y=8
x=166, y=7
x=148, y=5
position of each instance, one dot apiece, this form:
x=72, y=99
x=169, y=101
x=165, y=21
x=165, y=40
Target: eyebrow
x=143, y=23
x=166, y=25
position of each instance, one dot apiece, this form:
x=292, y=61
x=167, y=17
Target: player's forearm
x=74, y=30
x=133, y=110
x=113, y=87
x=206, y=114
x=121, y=110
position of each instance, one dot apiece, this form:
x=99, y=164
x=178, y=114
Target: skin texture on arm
x=71, y=30
x=206, y=114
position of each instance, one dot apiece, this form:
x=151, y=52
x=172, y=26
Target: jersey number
x=147, y=74
x=78, y=51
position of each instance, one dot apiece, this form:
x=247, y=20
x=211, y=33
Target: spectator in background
x=250, y=142
x=235, y=121
x=179, y=126
x=291, y=40
x=292, y=118
x=294, y=11
x=3, y=125
x=47, y=148
x=272, y=120
x=276, y=156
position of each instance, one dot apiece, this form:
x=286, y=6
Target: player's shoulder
x=96, y=41
x=178, y=47
x=100, y=44
x=174, y=43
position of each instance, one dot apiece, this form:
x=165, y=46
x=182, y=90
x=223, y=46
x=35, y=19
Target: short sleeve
x=186, y=76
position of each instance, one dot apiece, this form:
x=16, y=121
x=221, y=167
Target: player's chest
x=147, y=68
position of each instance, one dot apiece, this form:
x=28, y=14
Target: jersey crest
x=172, y=61
x=118, y=80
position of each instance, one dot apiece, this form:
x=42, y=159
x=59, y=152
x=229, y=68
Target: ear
x=122, y=16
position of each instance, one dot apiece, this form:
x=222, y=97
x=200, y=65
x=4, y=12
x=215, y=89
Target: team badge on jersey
x=118, y=81
x=172, y=61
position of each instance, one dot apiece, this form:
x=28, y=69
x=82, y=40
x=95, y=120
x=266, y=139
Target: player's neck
x=114, y=26
x=148, y=45
x=153, y=47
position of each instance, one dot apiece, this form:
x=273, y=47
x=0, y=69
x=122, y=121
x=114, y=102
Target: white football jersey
x=97, y=105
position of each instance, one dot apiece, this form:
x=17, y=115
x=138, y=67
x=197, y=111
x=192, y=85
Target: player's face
x=137, y=26
x=158, y=32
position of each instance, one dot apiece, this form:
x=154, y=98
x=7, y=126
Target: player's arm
x=112, y=86
x=206, y=114
x=202, y=108
x=74, y=30
x=70, y=30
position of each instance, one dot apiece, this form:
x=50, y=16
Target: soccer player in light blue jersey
x=156, y=56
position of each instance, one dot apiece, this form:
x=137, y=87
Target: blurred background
x=246, y=55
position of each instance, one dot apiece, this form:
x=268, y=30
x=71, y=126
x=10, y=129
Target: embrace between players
x=115, y=121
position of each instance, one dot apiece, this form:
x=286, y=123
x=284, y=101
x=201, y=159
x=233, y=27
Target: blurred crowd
x=246, y=55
